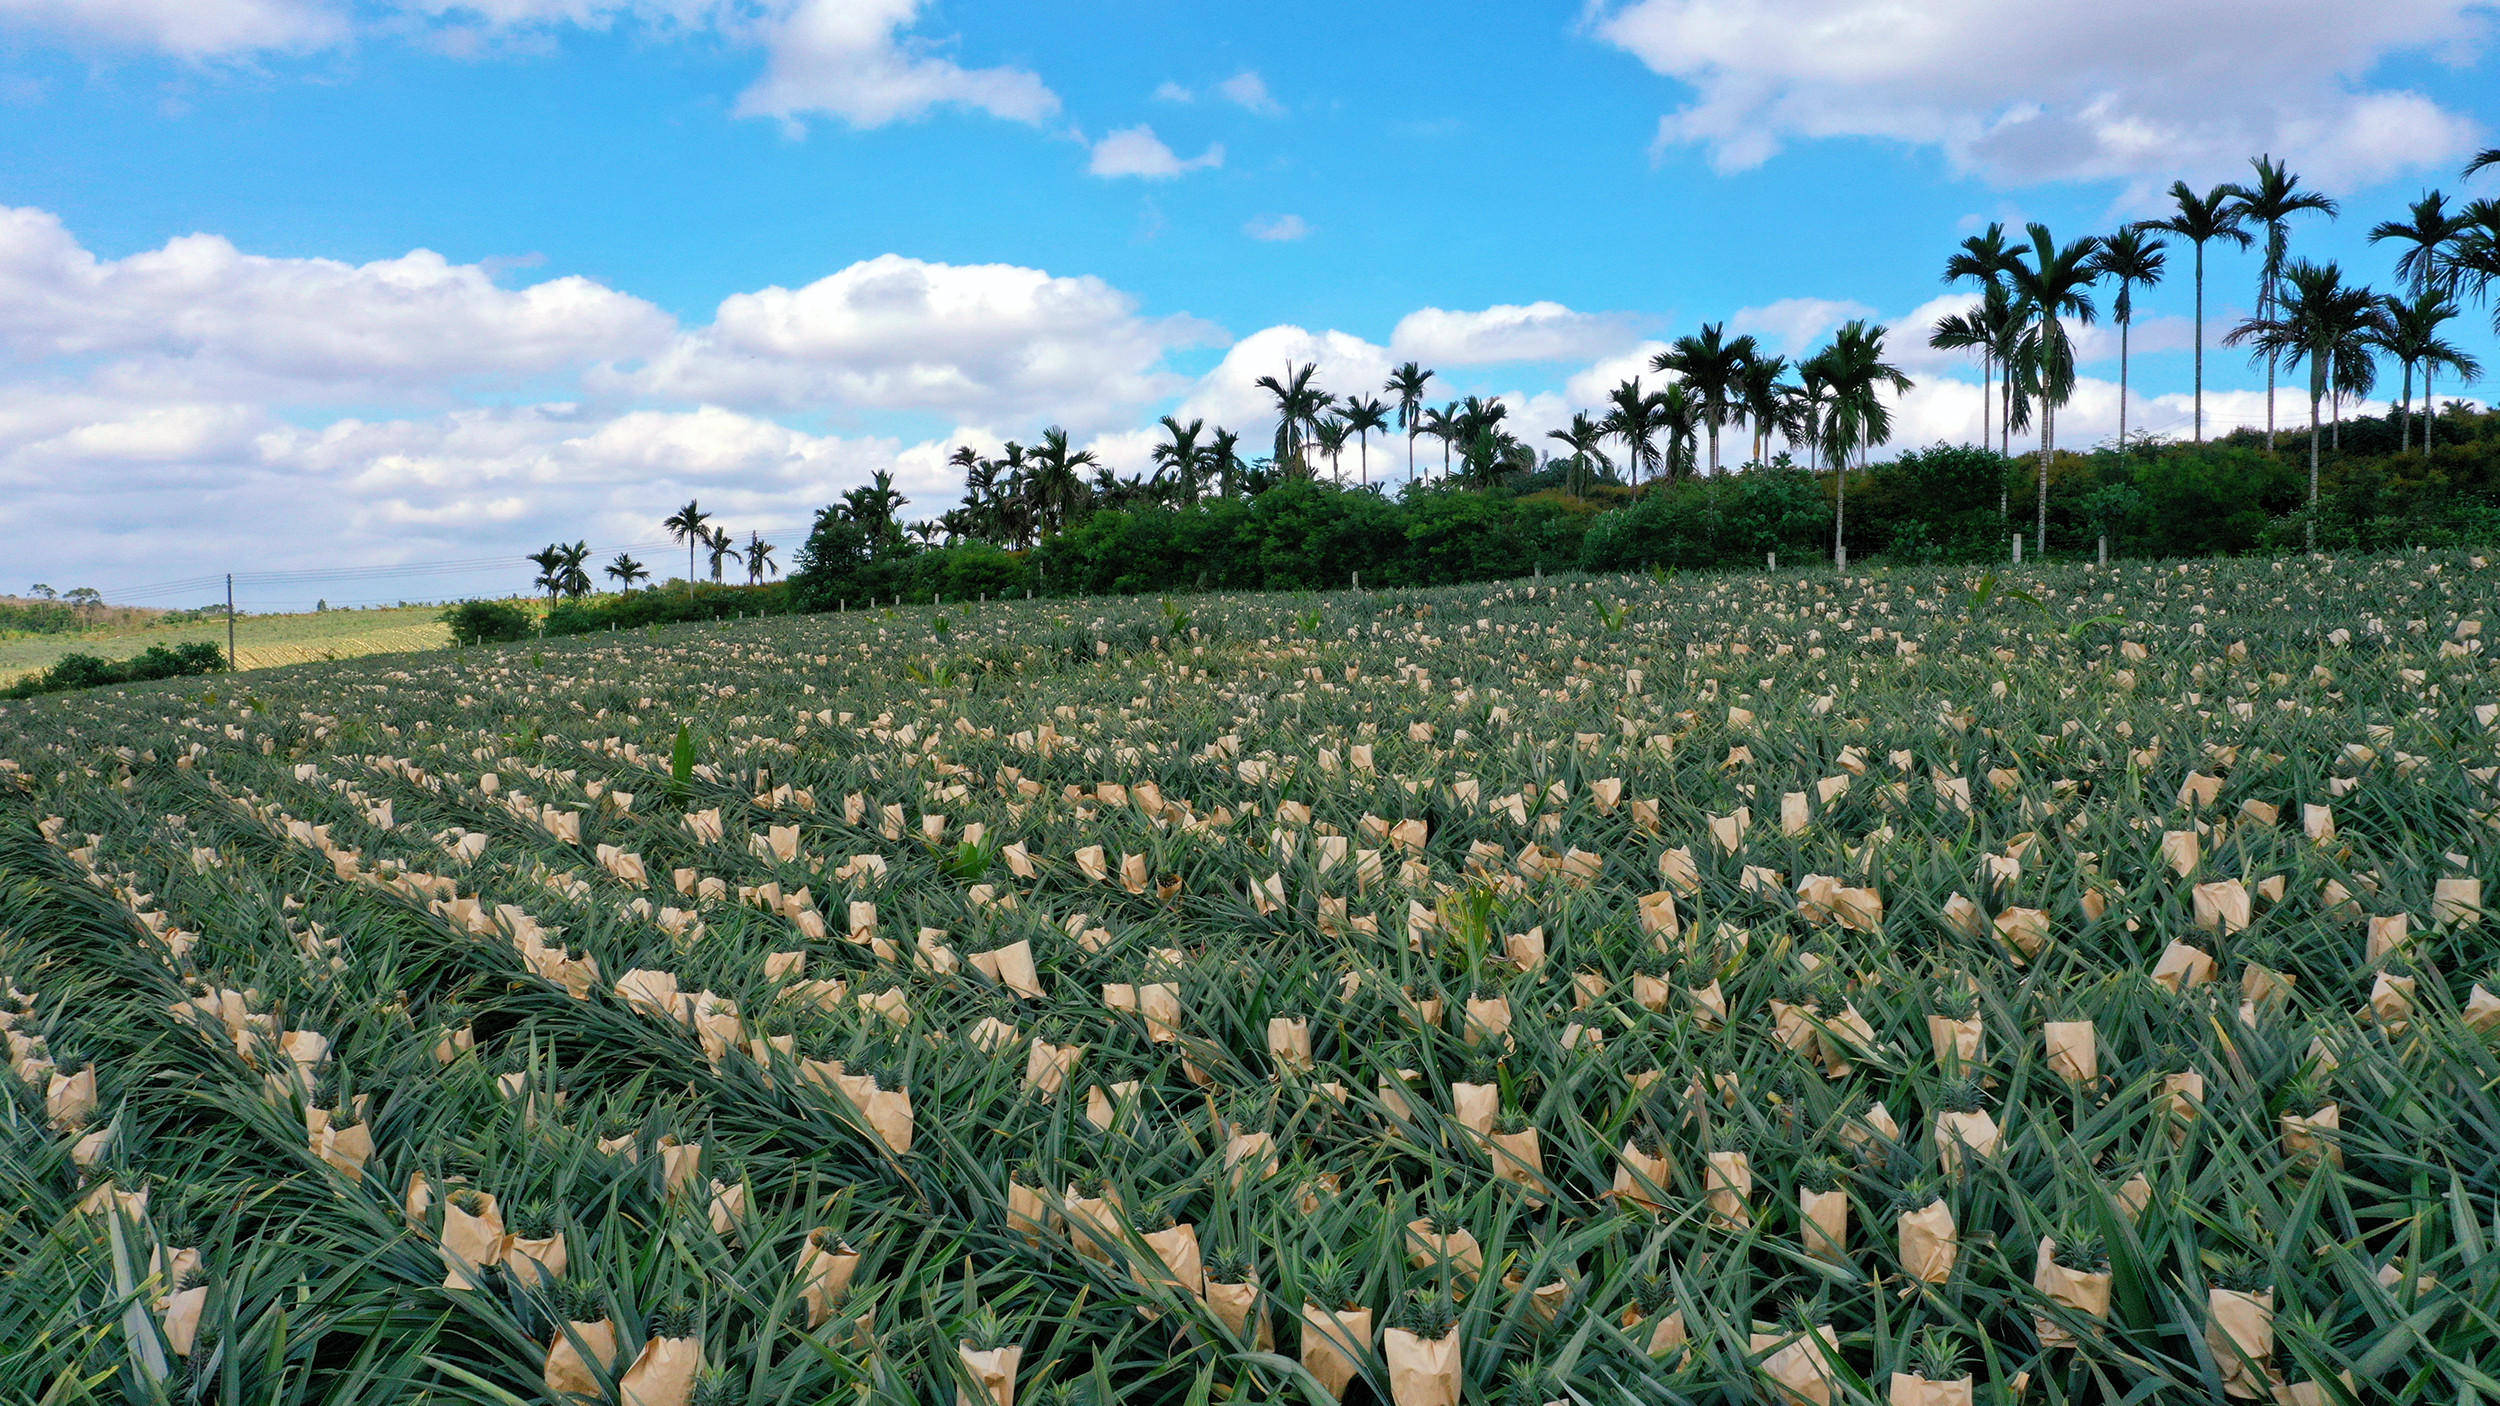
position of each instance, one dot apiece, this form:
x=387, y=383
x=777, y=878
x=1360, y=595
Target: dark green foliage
x=487, y=622
x=77, y=671
x=671, y=606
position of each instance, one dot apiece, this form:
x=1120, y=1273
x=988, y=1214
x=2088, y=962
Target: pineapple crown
x=1155, y=1219
x=985, y=1331
x=535, y=1220
x=1965, y=1095
x=192, y=1278
x=2240, y=1272
x=1229, y=1266
x=1649, y=1294
x=715, y=1387
x=1819, y=1174
x=2084, y=1252
x=577, y=1301
x=1511, y=1122
x=1937, y=1355
x=678, y=1320
x=470, y=1201
x=1430, y=1316
x=1332, y=1283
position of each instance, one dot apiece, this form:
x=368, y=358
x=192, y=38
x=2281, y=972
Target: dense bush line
x=88, y=671
x=1938, y=505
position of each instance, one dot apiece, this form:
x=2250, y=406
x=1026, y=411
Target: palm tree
x=2425, y=237
x=2489, y=156
x=627, y=570
x=1407, y=384
x=1479, y=424
x=1633, y=417
x=1442, y=424
x=877, y=508
x=1364, y=416
x=1330, y=435
x=2315, y=316
x=1224, y=459
x=1982, y=259
x=1855, y=369
x=1764, y=400
x=760, y=558
x=720, y=547
x=2271, y=202
x=2131, y=257
x=1709, y=364
x=2409, y=331
x=2200, y=220
x=1582, y=437
x=1299, y=404
x=1810, y=399
x=549, y=560
x=1054, y=482
x=2053, y=284
x=1679, y=415
x=686, y=525
x=1180, y=457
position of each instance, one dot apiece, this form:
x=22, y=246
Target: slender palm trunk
x=2200, y=341
x=2125, y=325
x=1410, y=451
x=2430, y=408
x=2311, y=527
x=1366, y=450
x=2404, y=414
x=2048, y=440
x=1840, y=511
x=1714, y=446
x=2265, y=309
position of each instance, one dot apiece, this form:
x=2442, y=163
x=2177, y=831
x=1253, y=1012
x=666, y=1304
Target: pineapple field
x=2063, y=986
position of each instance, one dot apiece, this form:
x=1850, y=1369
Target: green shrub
x=487, y=622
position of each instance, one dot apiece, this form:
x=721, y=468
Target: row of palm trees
x=564, y=568
x=694, y=527
x=2305, y=314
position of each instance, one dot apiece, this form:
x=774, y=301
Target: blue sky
x=292, y=283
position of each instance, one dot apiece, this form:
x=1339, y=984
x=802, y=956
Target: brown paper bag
x=1330, y=1337
x=1422, y=1371
x=663, y=1373
x=1796, y=1364
x=2239, y=1331
x=1642, y=1180
x=1957, y=1042
x=1475, y=1106
x=1289, y=1044
x=1236, y=1306
x=2315, y=1132
x=471, y=1243
x=1519, y=1157
x=995, y=1370
x=1427, y=1248
x=2073, y=1049
x=825, y=1270
x=1961, y=1134
x=182, y=1319
x=535, y=1262
x=1910, y=1389
x=1823, y=1218
x=572, y=1354
x=1728, y=1183
x=2086, y=1292
x=1929, y=1242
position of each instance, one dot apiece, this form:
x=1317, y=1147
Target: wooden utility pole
x=231, y=662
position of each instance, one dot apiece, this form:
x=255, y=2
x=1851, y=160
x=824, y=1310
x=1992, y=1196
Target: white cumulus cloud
x=847, y=58
x=203, y=311
x=2135, y=90
x=189, y=29
x=1539, y=331
x=986, y=343
x=1277, y=229
x=1137, y=151
x=1248, y=91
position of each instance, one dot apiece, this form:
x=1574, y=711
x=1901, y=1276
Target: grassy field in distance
x=262, y=641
